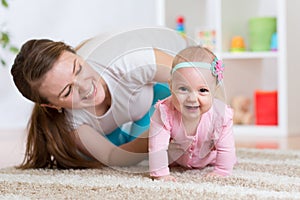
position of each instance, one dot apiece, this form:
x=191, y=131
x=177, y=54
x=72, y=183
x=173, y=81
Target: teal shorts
x=119, y=136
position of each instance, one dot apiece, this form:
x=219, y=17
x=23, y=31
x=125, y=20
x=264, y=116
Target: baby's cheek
x=176, y=102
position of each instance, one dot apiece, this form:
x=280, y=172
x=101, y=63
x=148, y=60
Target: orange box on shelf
x=266, y=109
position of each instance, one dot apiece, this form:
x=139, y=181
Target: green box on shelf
x=261, y=30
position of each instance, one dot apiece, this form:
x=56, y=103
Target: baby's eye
x=182, y=89
x=203, y=90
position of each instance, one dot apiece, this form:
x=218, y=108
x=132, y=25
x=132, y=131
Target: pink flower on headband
x=217, y=69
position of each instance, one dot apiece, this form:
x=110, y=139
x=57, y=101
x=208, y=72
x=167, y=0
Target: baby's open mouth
x=192, y=107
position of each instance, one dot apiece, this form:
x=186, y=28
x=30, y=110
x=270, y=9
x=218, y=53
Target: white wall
x=293, y=43
x=69, y=20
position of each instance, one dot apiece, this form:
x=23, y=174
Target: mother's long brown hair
x=50, y=141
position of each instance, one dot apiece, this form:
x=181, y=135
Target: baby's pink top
x=213, y=143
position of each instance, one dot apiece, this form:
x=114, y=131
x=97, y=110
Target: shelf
x=247, y=71
x=258, y=131
x=249, y=55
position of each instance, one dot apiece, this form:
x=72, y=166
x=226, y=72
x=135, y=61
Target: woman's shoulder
x=76, y=117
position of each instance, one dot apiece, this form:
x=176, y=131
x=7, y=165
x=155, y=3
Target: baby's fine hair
x=194, y=54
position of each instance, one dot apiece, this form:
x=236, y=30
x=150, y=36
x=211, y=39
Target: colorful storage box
x=266, y=109
x=261, y=30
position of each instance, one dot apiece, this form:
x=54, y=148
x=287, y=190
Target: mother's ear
x=59, y=109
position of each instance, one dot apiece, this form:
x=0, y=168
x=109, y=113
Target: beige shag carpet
x=260, y=174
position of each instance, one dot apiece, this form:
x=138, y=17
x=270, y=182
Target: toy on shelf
x=237, y=44
x=180, y=25
x=206, y=37
x=274, y=43
x=241, y=107
x=261, y=30
x=266, y=112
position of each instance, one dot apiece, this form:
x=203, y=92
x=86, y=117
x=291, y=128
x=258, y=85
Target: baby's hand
x=213, y=174
x=165, y=178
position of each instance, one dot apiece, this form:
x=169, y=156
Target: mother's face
x=72, y=83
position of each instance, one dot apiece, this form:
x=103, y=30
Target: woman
x=93, y=107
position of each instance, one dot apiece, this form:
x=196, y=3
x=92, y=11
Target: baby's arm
x=226, y=156
x=159, y=138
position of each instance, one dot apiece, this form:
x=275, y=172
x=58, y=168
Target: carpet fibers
x=259, y=174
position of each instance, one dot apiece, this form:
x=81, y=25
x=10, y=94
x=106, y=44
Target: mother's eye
x=68, y=92
x=79, y=70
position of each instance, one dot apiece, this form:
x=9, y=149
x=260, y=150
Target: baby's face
x=192, y=91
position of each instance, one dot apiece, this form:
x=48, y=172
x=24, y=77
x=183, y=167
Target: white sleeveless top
x=131, y=67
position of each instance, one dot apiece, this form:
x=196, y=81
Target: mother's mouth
x=90, y=93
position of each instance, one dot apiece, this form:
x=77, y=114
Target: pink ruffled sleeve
x=159, y=137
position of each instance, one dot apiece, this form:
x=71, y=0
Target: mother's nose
x=80, y=84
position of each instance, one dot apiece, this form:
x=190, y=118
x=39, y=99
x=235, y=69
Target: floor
x=12, y=145
x=286, y=143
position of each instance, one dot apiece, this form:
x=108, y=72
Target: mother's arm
x=164, y=64
x=95, y=145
